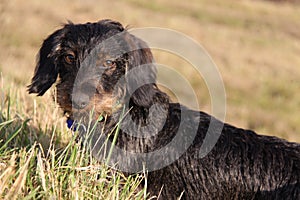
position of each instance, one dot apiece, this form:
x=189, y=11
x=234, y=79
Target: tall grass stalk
x=31, y=168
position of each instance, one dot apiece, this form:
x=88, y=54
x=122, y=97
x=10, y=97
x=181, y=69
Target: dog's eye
x=109, y=63
x=70, y=58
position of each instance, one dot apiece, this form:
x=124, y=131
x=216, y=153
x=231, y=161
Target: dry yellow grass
x=255, y=44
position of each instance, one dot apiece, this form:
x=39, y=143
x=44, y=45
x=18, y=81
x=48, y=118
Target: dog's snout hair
x=102, y=67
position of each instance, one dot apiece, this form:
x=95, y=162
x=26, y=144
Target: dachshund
x=105, y=81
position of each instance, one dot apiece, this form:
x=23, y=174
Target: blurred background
x=255, y=44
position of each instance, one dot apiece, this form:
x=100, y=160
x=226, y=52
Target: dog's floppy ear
x=141, y=76
x=46, y=71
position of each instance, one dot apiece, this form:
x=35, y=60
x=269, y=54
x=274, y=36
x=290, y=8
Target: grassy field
x=255, y=44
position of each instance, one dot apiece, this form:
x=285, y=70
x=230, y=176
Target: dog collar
x=70, y=122
x=74, y=126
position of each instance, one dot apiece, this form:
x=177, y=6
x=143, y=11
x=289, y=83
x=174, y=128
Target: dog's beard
x=112, y=138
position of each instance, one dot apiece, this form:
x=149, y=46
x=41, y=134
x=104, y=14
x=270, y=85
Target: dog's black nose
x=80, y=101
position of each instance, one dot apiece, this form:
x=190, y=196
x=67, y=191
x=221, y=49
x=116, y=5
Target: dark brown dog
x=103, y=69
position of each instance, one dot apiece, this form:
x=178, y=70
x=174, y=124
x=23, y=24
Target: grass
x=56, y=168
x=254, y=43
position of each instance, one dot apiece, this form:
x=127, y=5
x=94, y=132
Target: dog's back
x=242, y=165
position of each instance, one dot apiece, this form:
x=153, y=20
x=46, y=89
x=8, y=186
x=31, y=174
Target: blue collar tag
x=72, y=125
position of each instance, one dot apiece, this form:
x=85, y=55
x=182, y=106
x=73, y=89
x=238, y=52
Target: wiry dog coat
x=94, y=66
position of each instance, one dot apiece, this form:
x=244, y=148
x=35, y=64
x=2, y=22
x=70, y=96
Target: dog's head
x=96, y=65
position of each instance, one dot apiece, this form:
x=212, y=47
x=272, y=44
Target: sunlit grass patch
x=36, y=162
